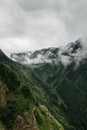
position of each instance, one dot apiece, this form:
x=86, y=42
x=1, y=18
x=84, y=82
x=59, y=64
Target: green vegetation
x=23, y=92
x=8, y=114
x=45, y=120
x=62, y=90
x=68, y=94
x=9, y=77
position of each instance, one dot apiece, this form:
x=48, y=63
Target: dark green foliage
x=62, y=90
x=8, y=114
x=26, y=91
x=44, y=71
x=68, y=94
x=71, y=86
x=9, y=77
x=38, y=116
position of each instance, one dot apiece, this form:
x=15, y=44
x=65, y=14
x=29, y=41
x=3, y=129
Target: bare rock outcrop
x=25, y=122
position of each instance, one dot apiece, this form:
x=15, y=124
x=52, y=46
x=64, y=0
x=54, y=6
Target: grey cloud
x=11, y=21
x=42, y=23
x=33, y=5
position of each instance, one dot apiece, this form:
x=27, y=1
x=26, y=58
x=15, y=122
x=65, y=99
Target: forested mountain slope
x=55, y=92
x=23, y=99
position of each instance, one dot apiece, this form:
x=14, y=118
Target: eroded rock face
x=25, y=122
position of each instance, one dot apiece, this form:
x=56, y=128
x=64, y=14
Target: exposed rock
x=25, y=122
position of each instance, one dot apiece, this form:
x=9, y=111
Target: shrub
x=39, y=117
x=8, y=114
x=9, y=77
x=26, y=92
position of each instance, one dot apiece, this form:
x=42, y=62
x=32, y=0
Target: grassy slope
x=68, y=93
x=19, y=99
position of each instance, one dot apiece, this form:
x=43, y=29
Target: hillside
x=23, y=99
x=54, y=88
x=68, y=84
x=64, y=71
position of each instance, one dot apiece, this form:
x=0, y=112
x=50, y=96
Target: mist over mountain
x=72, y=52
x=43, y=64
x=45, y=89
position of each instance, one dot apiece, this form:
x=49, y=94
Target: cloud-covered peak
x=73, y=52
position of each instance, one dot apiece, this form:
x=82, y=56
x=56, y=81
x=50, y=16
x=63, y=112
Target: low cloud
x=34, y=24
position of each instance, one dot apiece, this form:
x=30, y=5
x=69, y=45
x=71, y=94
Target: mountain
x=52, y=91
x=23, y=99
x=39, y=56
x=75, y=51
x=67, y=81
x=68, y=91
x=64, y=71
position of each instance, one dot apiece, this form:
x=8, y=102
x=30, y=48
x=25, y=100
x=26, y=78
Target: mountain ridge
x=21, y=97
x=60, y=88
x=74, y=51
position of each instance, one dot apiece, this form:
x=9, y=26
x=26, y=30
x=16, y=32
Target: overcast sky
x=34, y=24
